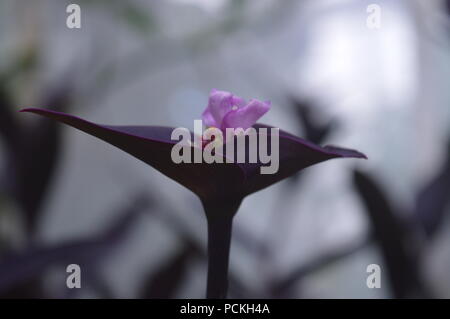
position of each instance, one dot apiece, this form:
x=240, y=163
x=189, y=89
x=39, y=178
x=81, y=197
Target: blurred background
x=66, y=197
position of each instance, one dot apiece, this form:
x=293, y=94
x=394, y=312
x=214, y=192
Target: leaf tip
x=29, y=110
x=345, y=152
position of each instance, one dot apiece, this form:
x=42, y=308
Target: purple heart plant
x=231, y=169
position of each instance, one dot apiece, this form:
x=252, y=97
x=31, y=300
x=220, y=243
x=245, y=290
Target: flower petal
x=208, y=119
x=238, y=101
x=246, y=116
x=219, y=104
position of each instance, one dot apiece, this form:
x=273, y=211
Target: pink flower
x=226, y=110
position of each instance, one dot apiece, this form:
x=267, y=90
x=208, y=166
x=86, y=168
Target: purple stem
x=220, y=219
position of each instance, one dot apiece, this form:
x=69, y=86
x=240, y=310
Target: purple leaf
x=17, y=268
x=394, y=237
x=33, y=153
x=314, y=131
x=433, y=199
x=8, y=122
x=152, y=145
x=164, y=282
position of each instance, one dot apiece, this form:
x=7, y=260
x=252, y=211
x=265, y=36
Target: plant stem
x=219, y=238
x=220, y=220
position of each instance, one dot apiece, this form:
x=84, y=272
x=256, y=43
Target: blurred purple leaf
x=433, y=200
x=36, y=156
x=32, y=153
x=394, y=237
x=285, y=286
x=8, y=121
x=18, y=268
x=164, y=282
x=314, y=131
